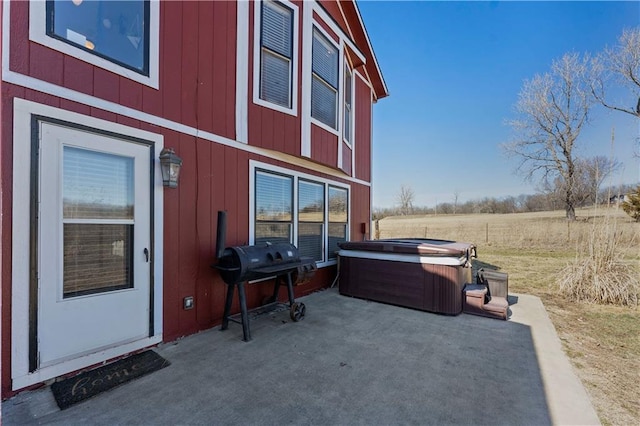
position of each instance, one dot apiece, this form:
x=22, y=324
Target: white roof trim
x=375, y=60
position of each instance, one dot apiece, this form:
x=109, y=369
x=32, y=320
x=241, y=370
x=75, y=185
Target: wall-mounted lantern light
x=170, y=164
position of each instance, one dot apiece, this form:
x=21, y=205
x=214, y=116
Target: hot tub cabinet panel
x=385, y=281
x=392, y=272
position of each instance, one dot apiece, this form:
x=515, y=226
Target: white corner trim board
x=242, y=73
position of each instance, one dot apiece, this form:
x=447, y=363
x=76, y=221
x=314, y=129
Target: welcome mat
x=90, y=383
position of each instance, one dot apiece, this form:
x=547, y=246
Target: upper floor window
x=115, y=30
x=324, y=82
x=275, y=55
x=119, y=36
x=348, y=104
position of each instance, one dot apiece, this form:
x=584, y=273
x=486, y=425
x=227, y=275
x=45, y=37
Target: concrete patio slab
x=348, y=362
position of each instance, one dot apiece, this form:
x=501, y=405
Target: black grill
x=246, y=263
x=240, y=264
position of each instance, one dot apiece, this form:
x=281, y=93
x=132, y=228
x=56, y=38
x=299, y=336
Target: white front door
x=94, y=252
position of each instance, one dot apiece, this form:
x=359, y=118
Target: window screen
x=276, y=53
x=338, y=218
x=115, y=30
x=324, y=85
x=274, y=215
x=311, y=219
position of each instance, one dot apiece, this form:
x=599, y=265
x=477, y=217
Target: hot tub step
x=475, y=302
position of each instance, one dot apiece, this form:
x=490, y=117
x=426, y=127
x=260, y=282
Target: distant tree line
x=544, y=201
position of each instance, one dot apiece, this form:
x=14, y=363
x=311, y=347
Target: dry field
x=603, y=342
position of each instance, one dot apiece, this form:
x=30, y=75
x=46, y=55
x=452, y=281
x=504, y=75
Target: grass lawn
x=602, y=342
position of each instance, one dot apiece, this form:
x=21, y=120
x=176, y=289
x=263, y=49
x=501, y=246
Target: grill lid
x=244, y=263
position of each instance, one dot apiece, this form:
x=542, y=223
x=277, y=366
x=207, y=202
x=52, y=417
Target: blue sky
x=454, y=71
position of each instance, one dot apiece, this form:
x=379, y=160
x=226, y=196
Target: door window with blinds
x=315, y=225
x=276, y=54
x=324, y=81
x=98, y=221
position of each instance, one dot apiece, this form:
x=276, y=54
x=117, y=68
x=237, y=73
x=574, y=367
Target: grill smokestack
x=221, y=236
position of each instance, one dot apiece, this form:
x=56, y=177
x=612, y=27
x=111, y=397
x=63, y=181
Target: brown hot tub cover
x=419, y=246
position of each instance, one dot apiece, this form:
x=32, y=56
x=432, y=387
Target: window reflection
x=115, y=30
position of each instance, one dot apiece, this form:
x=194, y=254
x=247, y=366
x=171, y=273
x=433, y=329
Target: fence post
x=486, y=233
x=568, y=230
x=377, y=234
x=425, y=231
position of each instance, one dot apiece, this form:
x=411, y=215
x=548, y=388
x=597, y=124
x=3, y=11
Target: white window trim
x=253, y=165
x=340, y=48
x=23, y=112
x=349, y=142
x=38, y=34
x=257, y=48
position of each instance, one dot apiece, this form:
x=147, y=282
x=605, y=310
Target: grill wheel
x=297, y=311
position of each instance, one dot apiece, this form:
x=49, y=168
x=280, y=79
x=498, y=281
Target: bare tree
x=619, y=66
x=405, y=199
x=456, y=197
x=589, y=175
x=592, y=173
x=552, y=109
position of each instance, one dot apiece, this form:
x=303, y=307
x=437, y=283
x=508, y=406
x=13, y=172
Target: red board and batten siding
x=324, y=146
x=360, y=211
x=197, y=66
x=363, y=130
x=346, y=159
x=214, y=177
x=5, y=228
x=333, y=9
x=272, y=129
x=268, y=128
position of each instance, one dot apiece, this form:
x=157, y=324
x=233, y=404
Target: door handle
x=146, y=254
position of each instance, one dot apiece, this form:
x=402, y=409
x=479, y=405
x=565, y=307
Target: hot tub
x=417, y=273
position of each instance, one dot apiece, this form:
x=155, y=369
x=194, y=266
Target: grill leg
x=245, y=316
x=276, y=290
x=290, y=289
x=227, y=307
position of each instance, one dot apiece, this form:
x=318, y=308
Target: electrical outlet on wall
x=187, y=303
